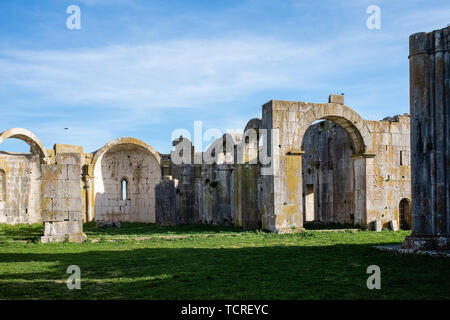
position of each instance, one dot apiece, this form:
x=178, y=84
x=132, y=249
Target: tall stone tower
x=429, y=58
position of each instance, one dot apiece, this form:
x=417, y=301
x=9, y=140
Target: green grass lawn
x=140, y=261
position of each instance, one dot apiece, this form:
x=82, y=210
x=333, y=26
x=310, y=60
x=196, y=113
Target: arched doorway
x=339, y=186
x=328, y=175
x=36, y=146
x=286, y=123
x=404, y=216
x=126, y=172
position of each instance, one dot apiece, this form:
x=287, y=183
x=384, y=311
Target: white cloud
x=182, y=73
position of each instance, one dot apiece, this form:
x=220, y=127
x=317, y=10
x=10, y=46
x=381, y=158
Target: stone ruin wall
x=62, y=204
x=328, y=172
x=88, y=187
x=218, y=194
x=33, y=186
x=20, y=198
x=139, y=170
x=389, y=172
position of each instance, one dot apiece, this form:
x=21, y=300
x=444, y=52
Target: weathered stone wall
x=288, y=122
x=216, y=195
x=389, y=172
x=430, y=130
x=20, y=194
x=141, y=171
x=185, y=194
x=247, y=189
x=219, y=191
x=357, y=172
x=329, y=169
x=166, y=211
x=62, y=199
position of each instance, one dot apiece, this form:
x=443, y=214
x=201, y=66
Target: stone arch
x=36, y=146
x=254, y=123
x=362, y=144
x=137, y=163
x=125, y=140
x=328, y=181
x=353, y=124
x=249, y=147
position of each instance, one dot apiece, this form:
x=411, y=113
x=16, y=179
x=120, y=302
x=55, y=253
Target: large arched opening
x=126, y=172
x=334, y=143
x=20, y=172
x=328, y=175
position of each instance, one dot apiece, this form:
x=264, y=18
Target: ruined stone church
x=322, y=163
x=300, y=162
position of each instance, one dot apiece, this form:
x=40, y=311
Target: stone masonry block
x=52, y=188
x=71, y=188
x=67, y=204
x=54, y=172
x=336, y=98
x=74, y=172
x=76, y=215
x=55, y=216
x=68, y=158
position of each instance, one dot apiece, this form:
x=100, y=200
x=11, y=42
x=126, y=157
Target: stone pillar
x=165, y=207
x=89, y=197
x=430, y=143
x=62, y=199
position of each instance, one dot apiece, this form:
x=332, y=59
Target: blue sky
x=144, y=68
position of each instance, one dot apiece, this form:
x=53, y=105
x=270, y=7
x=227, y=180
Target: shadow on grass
x=272, y=272
x=25, y=232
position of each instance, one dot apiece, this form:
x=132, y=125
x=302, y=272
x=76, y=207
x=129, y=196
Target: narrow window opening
x=401, y=158
x=124, y=189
